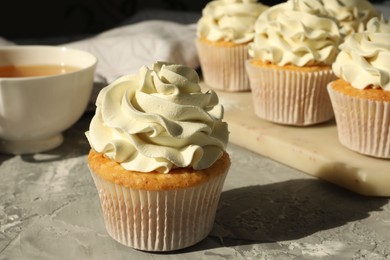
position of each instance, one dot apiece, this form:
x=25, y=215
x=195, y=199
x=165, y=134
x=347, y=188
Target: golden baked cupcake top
x=369, y=93
x=295, y=33
x=229, y=20
x=177, y=178
x=290, y=67
x=364, y=59
x=158, y=120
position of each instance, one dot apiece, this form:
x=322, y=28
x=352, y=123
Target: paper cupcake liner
x=290, y=97
x=362, y=125
x=163, y=220
x=223, y=68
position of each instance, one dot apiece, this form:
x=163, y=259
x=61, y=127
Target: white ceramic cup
x=34, y=111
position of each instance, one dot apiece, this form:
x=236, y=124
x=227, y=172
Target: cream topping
x=295, y=33
x=364, y=59
x=229, y=20
x=159, y=119
x=352, y=15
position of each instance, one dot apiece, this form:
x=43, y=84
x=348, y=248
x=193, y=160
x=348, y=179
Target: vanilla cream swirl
x=157, y=120
x=229, y=20
x=364, y=60
x=295, y=33
x=352, y=15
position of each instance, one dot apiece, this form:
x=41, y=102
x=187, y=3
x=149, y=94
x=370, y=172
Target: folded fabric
x=125, y=49
x=4, y=42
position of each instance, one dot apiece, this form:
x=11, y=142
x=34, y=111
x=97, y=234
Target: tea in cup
x=44, y=90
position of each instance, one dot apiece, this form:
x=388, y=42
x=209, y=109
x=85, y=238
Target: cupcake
x=361, y=94
x=158, y=157
x=223, y=34
x=290, y=63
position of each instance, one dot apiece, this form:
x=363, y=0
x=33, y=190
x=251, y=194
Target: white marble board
x=314, y=150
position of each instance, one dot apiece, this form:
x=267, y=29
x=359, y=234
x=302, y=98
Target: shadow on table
x=284, y=211
x=289, y=210
x=75, y=144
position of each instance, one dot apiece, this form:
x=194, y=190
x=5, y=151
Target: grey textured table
x=49, y=209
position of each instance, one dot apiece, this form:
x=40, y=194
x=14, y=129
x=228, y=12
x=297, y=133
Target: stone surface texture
x=49, y=209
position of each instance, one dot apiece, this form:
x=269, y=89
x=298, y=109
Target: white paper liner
x=362, y=125
x=223, y=68
x=290, y=97
x=163, y=220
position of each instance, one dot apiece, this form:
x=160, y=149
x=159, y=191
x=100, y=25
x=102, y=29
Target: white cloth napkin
x=4, y=42
x=125, y=49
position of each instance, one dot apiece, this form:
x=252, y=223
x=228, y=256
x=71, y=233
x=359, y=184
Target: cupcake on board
x=223, y=34
x=361, y=95
x=158, y=157
x=290, y=62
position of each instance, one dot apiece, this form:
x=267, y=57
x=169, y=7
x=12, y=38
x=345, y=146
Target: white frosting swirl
x=364, y=59
x=229, y=20
x=159, y=119
x=295, y=33
x=352, y=15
